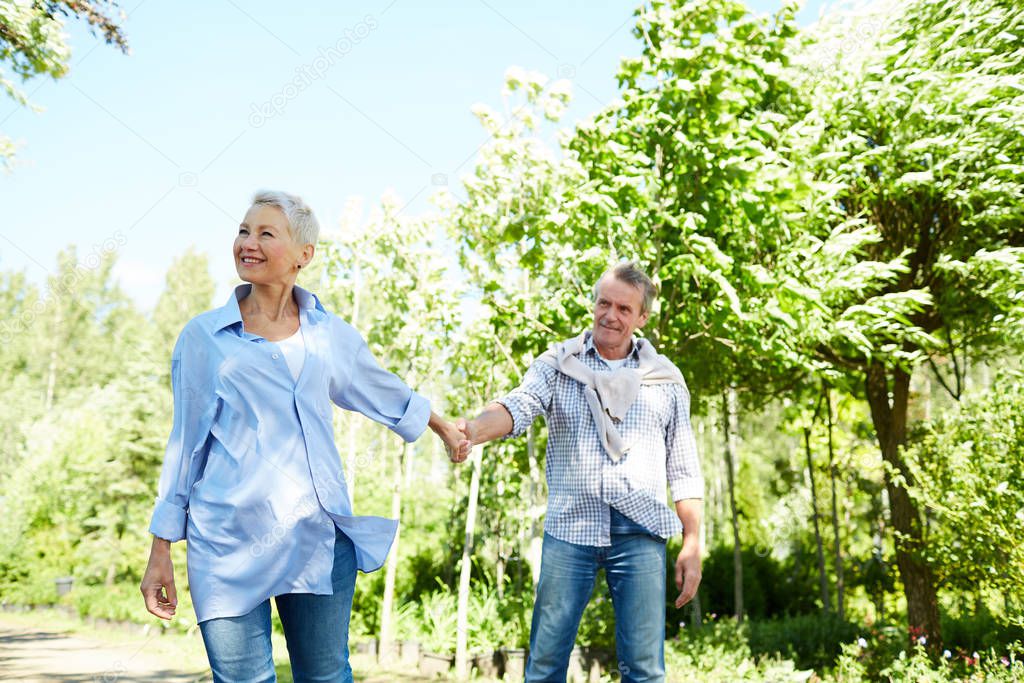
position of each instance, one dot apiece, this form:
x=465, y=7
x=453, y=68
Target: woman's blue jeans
x=634, y=566
x=315, y=628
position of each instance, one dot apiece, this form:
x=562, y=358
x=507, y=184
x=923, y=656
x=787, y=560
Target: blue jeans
x=634, y=566
x=315, y=629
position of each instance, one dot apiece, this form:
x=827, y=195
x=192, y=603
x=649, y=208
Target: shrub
x=812, y=640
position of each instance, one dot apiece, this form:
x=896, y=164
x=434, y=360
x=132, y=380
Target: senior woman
x=251, y=476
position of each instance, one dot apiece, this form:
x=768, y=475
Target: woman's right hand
x=158, y=583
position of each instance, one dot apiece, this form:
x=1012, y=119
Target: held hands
x=688, y=571
x=455, y=442
x=467, y=430
x=159, y=578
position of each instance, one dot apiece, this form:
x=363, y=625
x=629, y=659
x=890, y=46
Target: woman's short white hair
x=301, y=222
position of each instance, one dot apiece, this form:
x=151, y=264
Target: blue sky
x=162, y=149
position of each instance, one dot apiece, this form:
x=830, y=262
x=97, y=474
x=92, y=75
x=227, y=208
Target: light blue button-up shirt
x=251, y=476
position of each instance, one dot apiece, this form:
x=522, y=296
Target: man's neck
x=614, y=353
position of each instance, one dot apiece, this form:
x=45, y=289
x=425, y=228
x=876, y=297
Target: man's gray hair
x=631, y=273
x=301, y=222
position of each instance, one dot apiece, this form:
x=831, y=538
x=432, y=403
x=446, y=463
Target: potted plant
x=596, y=661
x=515, y=636
x=408, y=634
x=438, y=619
x=359, y=635
x=596, y=638
x=485, y=632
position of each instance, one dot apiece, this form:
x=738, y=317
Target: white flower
x=862, y=642
x=922, y=640
x=947, y=654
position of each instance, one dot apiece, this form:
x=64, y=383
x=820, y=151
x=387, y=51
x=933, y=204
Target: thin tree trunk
x=51, y=372
x=822, y=576
x=462, y=617
x=707, y=529
x=890, y=421
x=386, y=652
x=729, y=426
x=534, y=541
x=353, y=425
x=501, y=560
x=840, y=584
x=878, y=540
x=499, y=569
x=696, y=612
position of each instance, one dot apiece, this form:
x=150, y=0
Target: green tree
x=33, y=43
x=688, y=173
x=401, y=266
x=968, y=473
x=188, y=291
x=921, y=140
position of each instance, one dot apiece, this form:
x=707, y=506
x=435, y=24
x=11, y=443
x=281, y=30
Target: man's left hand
x=688, y=571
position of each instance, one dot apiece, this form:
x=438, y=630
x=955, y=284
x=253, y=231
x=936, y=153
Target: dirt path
x=39, y=647
x=41, y=654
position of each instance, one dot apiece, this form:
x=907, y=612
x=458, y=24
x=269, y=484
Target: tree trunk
x=822, y=575
x=890, y=421
x=535, y=538
x=729, y=429
x=386, y=652
x=353, y=417
x=499, y=569
x=51, y=371
x=878, y=541
x=840, y=584
x=462, y=618
x=502, y=559
x=696, y=611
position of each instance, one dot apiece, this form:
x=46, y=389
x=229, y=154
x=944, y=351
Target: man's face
x=617, y=313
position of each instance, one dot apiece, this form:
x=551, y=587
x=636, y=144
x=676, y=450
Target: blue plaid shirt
x=584, y=483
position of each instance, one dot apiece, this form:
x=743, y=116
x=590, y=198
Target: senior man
x=618, y=435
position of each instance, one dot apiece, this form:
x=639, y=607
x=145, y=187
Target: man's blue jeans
x=634, y=566
x=315, y=628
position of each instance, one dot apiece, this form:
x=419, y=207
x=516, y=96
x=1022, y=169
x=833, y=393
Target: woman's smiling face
x=265, y=251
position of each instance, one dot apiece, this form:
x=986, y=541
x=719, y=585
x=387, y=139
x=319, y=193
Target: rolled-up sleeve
x=531, y=398
x=365, y=387
x=194, y=408
x=682, y=462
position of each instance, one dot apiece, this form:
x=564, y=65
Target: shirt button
x=276, y=356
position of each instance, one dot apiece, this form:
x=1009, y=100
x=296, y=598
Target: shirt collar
x=229, y=314
x=588, y=345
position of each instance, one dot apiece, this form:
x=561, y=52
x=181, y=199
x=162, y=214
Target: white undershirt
x=294, y=349
x=614, y=364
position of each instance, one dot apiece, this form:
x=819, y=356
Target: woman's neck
x=272, y=302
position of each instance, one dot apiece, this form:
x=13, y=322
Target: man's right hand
x=493, y=423
x=158, y=583
x=468, y=430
